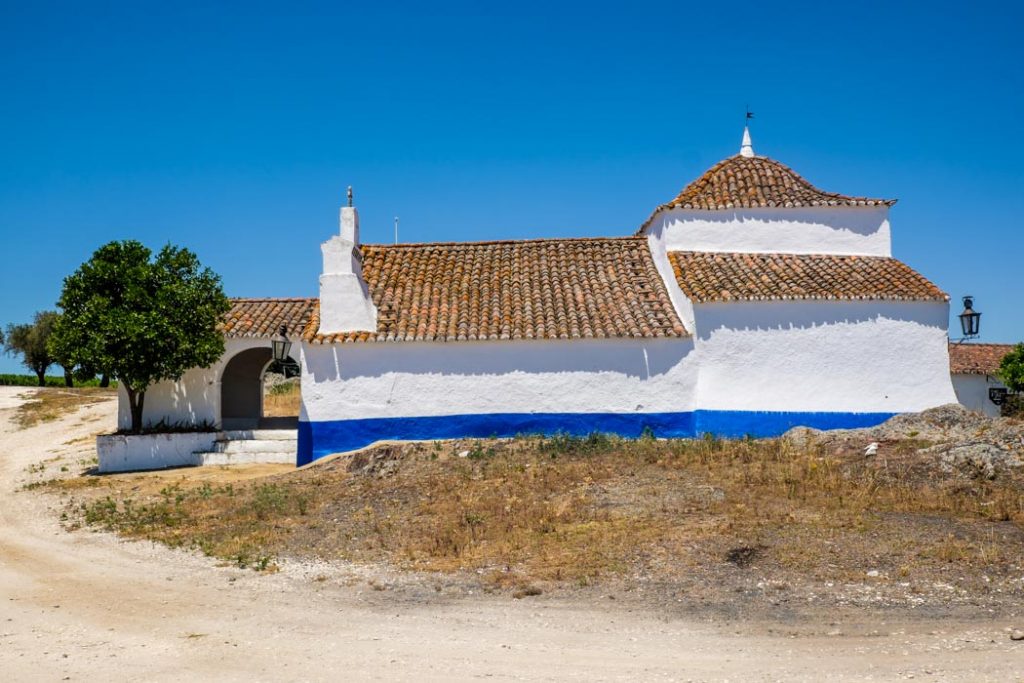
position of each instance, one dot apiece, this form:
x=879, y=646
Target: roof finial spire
x=747, y=147
x=350, y=195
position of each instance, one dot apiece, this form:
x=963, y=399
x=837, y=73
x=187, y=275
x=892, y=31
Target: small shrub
x=478, y=452
x=173, y=427
x=563, y=443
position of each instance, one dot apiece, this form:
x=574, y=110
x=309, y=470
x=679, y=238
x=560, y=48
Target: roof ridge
x=531, y=240
x=970, y=343
x=816, y=254
x=272, y=298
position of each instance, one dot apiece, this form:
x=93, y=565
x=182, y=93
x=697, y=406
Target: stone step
x=255, y=446
x=259, y=458
x=260, y=434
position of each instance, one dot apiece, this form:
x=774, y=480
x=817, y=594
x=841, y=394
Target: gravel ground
x=87, y=606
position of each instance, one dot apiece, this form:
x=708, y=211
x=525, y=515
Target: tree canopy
x=139, y=318
x=1011, y=369
x=30, y=341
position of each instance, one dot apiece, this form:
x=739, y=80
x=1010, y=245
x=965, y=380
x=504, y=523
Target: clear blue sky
x=234, y=131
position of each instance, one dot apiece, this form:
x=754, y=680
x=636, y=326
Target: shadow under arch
x=241, y=392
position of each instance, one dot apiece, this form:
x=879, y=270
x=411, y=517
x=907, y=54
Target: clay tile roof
x=757, y=182
x=528, y=289
x=977, y=359
x=264, y=317
x=718, y=277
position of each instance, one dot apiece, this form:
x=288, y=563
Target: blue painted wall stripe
x=739, y=423
x=317, y=439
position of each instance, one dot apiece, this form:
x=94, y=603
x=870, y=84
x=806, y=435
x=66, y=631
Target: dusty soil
x=84, y=605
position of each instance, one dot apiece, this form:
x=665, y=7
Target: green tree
x=1011, y=369
x=141, y=319
x=30, y=342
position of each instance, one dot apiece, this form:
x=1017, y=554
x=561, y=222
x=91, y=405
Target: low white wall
x=871, y=356
x=810, y=230
x=129, y=452
x=369, y=380
x=195, y=398
x=972, y=393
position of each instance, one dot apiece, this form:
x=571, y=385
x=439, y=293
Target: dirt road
x=86, y=606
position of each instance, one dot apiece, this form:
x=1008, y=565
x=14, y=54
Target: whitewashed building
x=975, y=371
x=750, y=303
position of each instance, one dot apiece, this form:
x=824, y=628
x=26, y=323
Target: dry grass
x=49, y=404
x=282, y=401
x=578, y=511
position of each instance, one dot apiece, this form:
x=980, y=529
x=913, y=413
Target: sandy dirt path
x=87, y=606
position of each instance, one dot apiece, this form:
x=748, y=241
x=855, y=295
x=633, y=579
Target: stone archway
x=241, y=389
x=242, y=393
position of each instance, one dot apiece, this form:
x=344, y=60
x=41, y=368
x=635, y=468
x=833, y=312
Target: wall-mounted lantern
x=970, y=320
x=281, y=345
x=997, y=395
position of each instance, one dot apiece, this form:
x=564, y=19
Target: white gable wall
x=848, y=230
x=823, y=356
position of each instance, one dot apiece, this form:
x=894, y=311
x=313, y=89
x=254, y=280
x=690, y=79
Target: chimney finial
x=350, y=195
x=746, y=147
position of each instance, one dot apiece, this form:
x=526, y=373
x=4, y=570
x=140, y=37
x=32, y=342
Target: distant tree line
x=33, y=342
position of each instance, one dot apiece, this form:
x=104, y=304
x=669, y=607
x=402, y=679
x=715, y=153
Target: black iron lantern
x=970, y=320
x=280, y=345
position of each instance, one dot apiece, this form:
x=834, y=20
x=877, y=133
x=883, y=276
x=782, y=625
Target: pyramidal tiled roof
x=524, y=289
x=741, y=182
x=708, y=277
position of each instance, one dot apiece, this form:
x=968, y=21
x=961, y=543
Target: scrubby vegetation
x=282, y=399
x=574, y=511
x=47, y=405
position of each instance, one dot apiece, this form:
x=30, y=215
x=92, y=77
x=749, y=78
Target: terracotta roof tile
x=264, y=317
x=977, y=359
x=530, y=289
x=757, y=182
x=717, y=277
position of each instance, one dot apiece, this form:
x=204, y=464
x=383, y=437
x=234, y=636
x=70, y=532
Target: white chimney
x=345, y=303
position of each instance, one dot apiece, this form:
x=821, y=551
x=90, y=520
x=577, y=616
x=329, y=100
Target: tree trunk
x=104, y=380
x=136, y=400
x=41, y=374
x=69, y=379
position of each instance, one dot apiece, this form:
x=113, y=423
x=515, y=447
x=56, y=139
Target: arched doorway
x=242, y=393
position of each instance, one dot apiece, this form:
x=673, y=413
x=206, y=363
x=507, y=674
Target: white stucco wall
x=351, y=381
x=972, y=392
x=823, y=356
x=126, y=453
x=811, y=230
x=860, y=357
x=195, y=399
